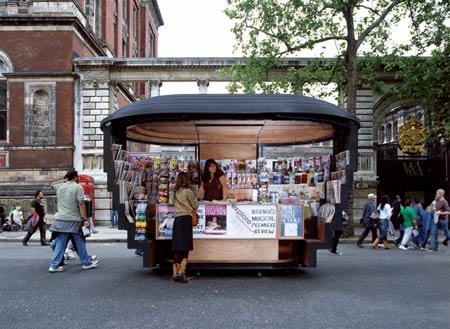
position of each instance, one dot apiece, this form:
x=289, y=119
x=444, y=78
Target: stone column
x=365, y=178
x=202, y=86
x=97, y=103
x=155, y=86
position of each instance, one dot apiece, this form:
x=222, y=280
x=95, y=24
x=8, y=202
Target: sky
x=194, y=28
x=200, y=28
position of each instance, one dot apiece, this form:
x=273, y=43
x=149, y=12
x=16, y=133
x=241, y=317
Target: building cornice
x=19, y=22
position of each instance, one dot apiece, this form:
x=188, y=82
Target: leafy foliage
x=269, y=30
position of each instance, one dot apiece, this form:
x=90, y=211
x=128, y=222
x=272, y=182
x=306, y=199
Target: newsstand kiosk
x=287, y=160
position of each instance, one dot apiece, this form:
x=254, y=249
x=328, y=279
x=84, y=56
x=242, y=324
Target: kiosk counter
x=289, y=163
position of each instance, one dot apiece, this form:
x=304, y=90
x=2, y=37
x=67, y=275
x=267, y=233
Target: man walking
x=409, y=224
x=441, y=211
x=37, y=209
x=369, y=220
x=69, y=220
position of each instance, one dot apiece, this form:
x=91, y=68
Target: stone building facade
x=49, y=115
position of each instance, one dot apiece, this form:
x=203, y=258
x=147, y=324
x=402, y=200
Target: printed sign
x=251, y=221
x=291, y=218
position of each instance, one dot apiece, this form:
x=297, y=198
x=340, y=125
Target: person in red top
x=214, y=183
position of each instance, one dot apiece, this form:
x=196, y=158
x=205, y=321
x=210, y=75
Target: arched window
x=381, y=135
x=389, y=132
x=395, y=130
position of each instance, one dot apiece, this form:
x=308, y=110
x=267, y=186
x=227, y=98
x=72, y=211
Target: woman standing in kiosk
x=182, y=239
x=214, y=183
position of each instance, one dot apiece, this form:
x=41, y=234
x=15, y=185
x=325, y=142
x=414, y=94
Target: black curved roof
x=229, y=106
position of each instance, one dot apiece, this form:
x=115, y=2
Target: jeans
x=383, y=224
x=434, y=230
x=114, y=216
x=426, y=236
x=407, y=236
x=60, y=247
x=421, y=237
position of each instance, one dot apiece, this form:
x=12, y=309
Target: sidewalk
x=107, y=234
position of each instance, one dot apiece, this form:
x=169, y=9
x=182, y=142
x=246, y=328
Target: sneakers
x=90, y=266
x=94, y=257
x=337, y=253
x=402, y=247
x=56, y=269
x=445, y=243
x=360, y=245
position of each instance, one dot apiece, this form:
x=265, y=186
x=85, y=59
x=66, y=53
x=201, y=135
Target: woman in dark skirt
x=185, y=203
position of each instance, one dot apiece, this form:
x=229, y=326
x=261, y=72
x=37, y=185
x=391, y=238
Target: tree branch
x=303, y=45
x=377, y=22
x=369, y=9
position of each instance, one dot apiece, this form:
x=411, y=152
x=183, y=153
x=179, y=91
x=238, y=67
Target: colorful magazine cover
x=216, y=219
x=165, y=217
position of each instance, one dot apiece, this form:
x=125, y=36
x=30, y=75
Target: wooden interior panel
x=234, y=250
x=228, y=151
x=230, y=132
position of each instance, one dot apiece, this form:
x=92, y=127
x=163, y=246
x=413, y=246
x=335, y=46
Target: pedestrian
x=441, y=212
x=420, y=215
x=369, y=220
x=409, y=223
x=69, y=220
x=397, y=218
x=37, y=209
x=384, y=215
x=427, y=224
x=182, y=240
x=114, y=218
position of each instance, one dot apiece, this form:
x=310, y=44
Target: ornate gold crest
x=411, y=136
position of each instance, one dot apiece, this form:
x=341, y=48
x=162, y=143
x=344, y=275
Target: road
x=363, y=288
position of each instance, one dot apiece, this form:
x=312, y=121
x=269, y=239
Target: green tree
x=428, y=79
x=269, y=30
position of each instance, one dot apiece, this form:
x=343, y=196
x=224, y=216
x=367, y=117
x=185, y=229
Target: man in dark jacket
x=38, y=209
x=369, y=220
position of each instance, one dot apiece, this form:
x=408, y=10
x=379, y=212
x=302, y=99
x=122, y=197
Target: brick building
x=49, y=115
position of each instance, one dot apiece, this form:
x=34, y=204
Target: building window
x=125, y=11
x=151, y=52
x=124, y=48
x=381, y=135
x=3, y=103
x=395, y=130
x=389, y=132
x=135, y=22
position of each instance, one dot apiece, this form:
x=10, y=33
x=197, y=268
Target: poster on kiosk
x=88, y=185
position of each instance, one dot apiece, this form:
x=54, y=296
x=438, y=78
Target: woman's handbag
x=194, y=216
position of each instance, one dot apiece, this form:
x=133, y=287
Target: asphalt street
x=363, y=288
